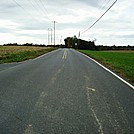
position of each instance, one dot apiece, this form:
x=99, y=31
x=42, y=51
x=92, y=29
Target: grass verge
x=121, y=62
x=10, y=54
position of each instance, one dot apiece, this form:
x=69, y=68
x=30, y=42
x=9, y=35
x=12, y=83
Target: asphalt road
x=64, y=92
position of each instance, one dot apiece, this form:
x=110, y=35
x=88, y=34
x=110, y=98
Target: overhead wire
x=21, y=6
x=33, y=5
x=26, y=11
x=36, y=5
x=37, y=8
x=100, y=16
x=42, y=3
x=101, y=6
x=104, y=5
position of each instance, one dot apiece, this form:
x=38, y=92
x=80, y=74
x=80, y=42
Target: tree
x=70, y=42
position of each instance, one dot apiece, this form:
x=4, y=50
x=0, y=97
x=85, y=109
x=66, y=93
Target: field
x=20, y=53
x=121, y=62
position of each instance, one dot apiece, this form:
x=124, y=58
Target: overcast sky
x=27, y=21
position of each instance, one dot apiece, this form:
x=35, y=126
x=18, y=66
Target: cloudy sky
x=28, y=21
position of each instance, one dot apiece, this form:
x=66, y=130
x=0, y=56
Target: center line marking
x=92, y=89
x=64, y=55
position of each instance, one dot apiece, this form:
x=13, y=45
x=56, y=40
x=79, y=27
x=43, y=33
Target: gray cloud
x=72, y=16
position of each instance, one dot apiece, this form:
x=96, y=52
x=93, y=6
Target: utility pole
x=78, y=40
x=48, y=37
x=79, y=35
x=51, y=36
x=61, y=40
x=54, y=30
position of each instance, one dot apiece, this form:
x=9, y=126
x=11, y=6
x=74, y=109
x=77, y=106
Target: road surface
x=64, y=92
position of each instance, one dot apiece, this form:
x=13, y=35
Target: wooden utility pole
x=48, y=37
x=51, y=37
x=54, y=30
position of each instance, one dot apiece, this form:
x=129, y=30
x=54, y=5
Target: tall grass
x=20, y=53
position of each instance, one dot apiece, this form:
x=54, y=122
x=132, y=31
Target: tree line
x=74, y=42
x=26, y=44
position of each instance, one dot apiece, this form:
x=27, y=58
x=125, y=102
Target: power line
x=41, y=8
x=37, y=8
x=33, y=5
x=21, y=6
x=24, y=10
x=45, y=9
x=100, y=17
x=104, y=3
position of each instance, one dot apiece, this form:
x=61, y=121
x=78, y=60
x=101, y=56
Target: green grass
x=121, y=62
x=10, y=54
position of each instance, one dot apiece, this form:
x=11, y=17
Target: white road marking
x=109, y=71
x=29, y=130
x=94, y=114
x=64, y=54
x=91, y=89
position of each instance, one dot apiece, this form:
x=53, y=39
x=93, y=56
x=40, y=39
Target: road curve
x=64, y=92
